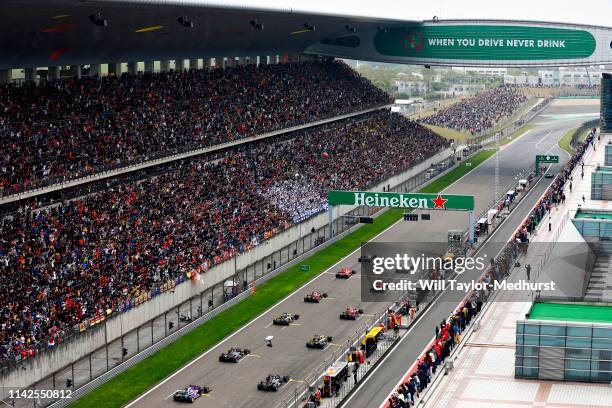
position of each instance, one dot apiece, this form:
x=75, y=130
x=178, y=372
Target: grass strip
x=565, y=141
x=142, y=376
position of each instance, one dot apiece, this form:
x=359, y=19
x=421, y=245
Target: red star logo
x=439, y=202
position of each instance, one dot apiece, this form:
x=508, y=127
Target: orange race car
x=345, y=273
x=351, y=313
x=314, y=297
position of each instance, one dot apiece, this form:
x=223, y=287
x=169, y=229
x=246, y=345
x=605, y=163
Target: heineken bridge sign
x=400, y=200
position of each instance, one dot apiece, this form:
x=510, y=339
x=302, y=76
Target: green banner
x=547, y=158
x=399, y=200
x=485, y=42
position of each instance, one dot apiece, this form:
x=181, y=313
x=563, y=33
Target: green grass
x=136, y=380
x=573, y=312
x=565, y=141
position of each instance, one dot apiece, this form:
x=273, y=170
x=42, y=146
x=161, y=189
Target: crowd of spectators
x=448, y=335
x=480, y=112
x=555, y=194
x=53, y=131
x=68, y=262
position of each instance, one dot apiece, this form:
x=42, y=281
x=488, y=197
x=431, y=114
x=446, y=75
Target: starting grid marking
x=291, y=324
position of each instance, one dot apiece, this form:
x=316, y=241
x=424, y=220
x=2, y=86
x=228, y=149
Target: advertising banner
x=475, y=43
x=401, y=200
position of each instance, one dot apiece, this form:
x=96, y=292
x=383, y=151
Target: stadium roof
x=60, y=32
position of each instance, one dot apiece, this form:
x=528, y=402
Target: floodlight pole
x=496, y=166
x=471, y=222
x=330, y=219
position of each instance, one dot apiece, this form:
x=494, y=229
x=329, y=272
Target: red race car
x=345, y=273
x=351, y=313
x=314, y=297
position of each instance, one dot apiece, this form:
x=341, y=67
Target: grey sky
x=596, y=12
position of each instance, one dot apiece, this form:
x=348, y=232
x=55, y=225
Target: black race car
x=234, y=355
x=285, y=319
x=272, y=382
x=366, y=258
x=318, y=341
x=351, y=313
x=190, y=394
x=314, y=297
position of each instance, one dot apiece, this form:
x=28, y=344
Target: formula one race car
x=191, y=393
x=285, y=319
x=318, y=341
x=272, y=382
x=234, y=355
x=366, y=258
x=351, y=313
x=314, y=297
x=345, y=273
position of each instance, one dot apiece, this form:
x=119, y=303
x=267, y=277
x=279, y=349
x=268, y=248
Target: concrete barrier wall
x=80, y=346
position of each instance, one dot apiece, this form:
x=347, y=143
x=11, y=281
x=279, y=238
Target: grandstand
x=167, y=164
x=72, y=128
x=103, y=250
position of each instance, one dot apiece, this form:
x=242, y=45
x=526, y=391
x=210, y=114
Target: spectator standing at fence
x=528, y=271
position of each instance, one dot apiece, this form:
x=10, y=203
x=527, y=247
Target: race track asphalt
x=542, y=139
x=234, y=385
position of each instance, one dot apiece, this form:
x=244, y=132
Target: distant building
x=531, y=80
x=462, y=90
x=411, y=87
x=487, y=71
x=569, y=76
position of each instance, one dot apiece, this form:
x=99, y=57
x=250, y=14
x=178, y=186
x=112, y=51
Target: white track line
x=381, y=362
x=384, y=403
x=180, y=370
x=254, y=320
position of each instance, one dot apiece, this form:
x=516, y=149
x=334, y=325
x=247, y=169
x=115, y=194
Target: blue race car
x=190, y=394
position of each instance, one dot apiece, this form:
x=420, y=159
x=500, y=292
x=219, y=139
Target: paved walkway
x=580, y=188
x=483, y=374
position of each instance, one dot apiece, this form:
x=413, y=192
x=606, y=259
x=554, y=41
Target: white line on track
x=268, y=325
x=198, y=358
x=383, y=404
x=537, y=145
x=424, y=310
x=515, y=139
